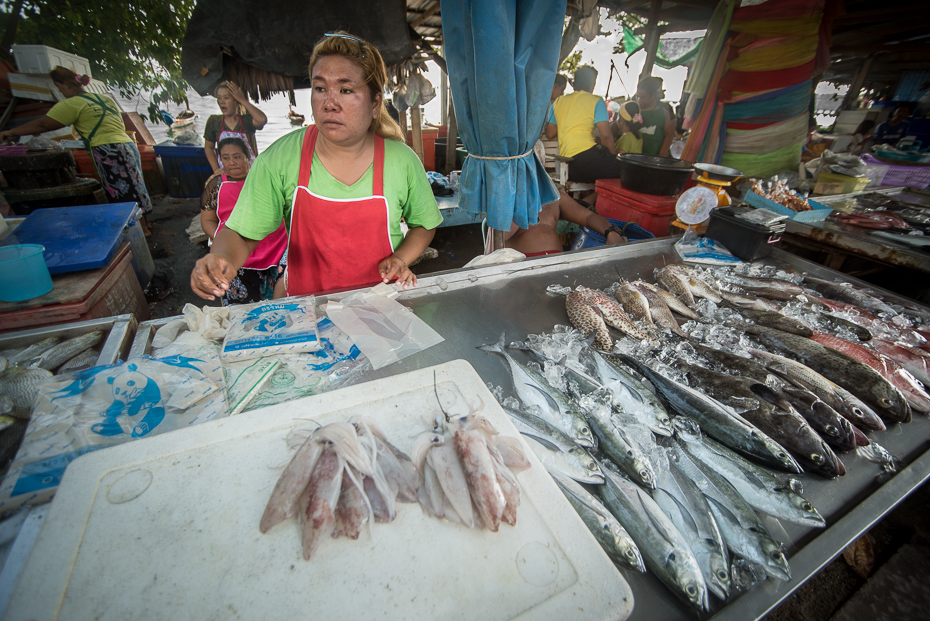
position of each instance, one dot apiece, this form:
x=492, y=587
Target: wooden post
x=402, y=121
x=853, y=93
x=452, y=140
x=651, y=43
x=417, y=126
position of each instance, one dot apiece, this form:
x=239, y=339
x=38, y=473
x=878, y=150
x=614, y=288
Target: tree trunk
x=651, y=44
x=416, y=125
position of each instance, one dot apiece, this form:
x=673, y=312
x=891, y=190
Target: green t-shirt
x=628, y=143
x=653, y=129
x=84, y=115
x=269, y=189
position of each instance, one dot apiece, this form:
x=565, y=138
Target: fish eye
x=592, y=465
x=817, y=458
x=644, y=474
x=584, y=430
x=630, y=554
x=833, y=431
x=691, y=590
x=858, y=412
x=782, y=455
x=807, y=506
x=776, y=555
x=886, y=402
x=722, y=575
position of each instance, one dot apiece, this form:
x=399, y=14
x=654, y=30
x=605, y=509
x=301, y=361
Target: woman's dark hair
x=235, y=142
x=865, y=127
x=62, y=75
x=632, y=108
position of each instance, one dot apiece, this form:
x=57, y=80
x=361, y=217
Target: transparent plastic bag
x=271, y=327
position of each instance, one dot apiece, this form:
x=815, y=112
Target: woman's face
x=645, y=99
x=226, y=102
x=68, y=89
x=235, y=162
x=343, y=107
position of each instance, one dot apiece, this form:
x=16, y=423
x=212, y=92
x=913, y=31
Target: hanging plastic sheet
x=705, y=63
x=502, y=57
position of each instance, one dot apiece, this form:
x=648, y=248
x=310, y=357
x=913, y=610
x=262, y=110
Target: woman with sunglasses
x=341, y=186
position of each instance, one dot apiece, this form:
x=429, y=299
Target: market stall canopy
x=264, y=47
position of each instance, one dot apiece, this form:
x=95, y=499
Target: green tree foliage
x=570, y=64
x=132, y=45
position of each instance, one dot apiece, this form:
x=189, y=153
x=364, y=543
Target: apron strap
x=104, y=109
x=307, y=159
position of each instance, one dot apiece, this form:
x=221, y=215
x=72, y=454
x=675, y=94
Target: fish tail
x=497, y=347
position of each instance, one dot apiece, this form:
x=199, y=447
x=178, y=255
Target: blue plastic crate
x=186, y=169
x=587, y=238
x=819, y=212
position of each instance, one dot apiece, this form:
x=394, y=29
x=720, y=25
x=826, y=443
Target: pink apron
x=336, y=243
x=269, y=250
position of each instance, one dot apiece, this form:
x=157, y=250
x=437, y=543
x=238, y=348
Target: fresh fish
x=760, y=488
x=481, y=475
x=849, y=294
x=33, y=351
x=836, y=430
x=664, y=549
x=717, y=420
x=743, y=531
x=21, y=385
x=841, y=307
x=685, y=505
x=587, y=320
x=753, y=302
x=777, y=321
x=614, y=539
x=839, y=323
x=611, y=311
x=771, y=288
x=634, y=303
x=697, y=284
x=760, y=406
x=554, y=406
x=6, y=408
x=854, y=376
x=3, y=364
x=61, y=353
x=734, y=364
x=11, y=437
x=837, y=397
x=83, y=360
x=633, y=397
x=673, y=303
x=907, y=384
x=658, y=309
x=576, y=464
x=915, y=360
x=676, y=283
x=620, y=447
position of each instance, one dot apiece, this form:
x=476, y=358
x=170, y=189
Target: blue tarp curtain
x=502, y=57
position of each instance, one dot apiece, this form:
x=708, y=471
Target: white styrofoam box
x=34, y=87
x=42, y=59
x=167, y=528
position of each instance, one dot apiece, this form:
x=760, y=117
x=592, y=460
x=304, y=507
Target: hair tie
x=83, y=80
x=638, y=118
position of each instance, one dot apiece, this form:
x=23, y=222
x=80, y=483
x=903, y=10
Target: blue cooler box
x=186, y=169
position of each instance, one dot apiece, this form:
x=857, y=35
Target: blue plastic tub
x=186, y=169
x=23, y=273
x=586, y=238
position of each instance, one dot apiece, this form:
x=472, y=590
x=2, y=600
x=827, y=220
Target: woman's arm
x=552, y=130
x=213, y=272
x=669, y=134
x=415, y=242
x=38, y=126
x=258, y=117
x=209, y=221
x=209, y=149
x=607, y=139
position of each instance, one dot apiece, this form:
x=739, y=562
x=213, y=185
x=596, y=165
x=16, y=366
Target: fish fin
x=656, y=522
x=497, y=347
x=766, y=393
x=552, y=404
x=724, y=511
x=547, y=443
x=683, y=509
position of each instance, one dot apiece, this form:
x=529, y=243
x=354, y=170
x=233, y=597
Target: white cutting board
x=167, y=528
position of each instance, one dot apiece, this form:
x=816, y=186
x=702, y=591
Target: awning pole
x=402, y=121
x=852, y=95
x=417, y=127
x=651, y=44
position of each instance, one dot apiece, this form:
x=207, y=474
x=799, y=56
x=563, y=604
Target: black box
x=746, y=240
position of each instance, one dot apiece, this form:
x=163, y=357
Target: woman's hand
x=7, y=136
x=211, y=276
x=395, y=267
x=237, y=93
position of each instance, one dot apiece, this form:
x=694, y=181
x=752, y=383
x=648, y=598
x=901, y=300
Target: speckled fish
x=634, y=303
x=659, y=311
x=664, y=549
x=676, y=283
x=833, y=428
x=587, y=320
x=620, y=448
x=533, y=390
x=760, y=406
x=912, y=390
x=777, y=321
x=83, y=360
x=21, y=384
x=687, y=508
x=614, y=539
x=760, y=488
x=754, y=302
x=570, y=459
x=64, y=351
x=33, y=351
x=839, y=323
x=717, y=420
x=849, y=294
x=856, y=377
x=915, y=360
x=611, y=312
x=743, y=531
x=733, y=364
x=632, y=395
x=847, y=404
x=673, y=303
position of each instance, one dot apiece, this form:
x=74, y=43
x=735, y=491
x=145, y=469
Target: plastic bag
x=419, y=91
x=384, y=330
x=210, y=324
x=268, y=328
x=694, y=249
x=846, y=160
x=104, y=406
x=40, y=143
x=188, y=136
x=503, y=255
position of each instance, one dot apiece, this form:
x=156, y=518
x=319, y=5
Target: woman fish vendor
x=341, y=186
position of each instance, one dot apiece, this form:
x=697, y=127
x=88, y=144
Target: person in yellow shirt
x=630, y=122
x=100, y=125
x=574, y=119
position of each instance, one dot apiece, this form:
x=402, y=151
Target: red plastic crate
x=653, y=213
